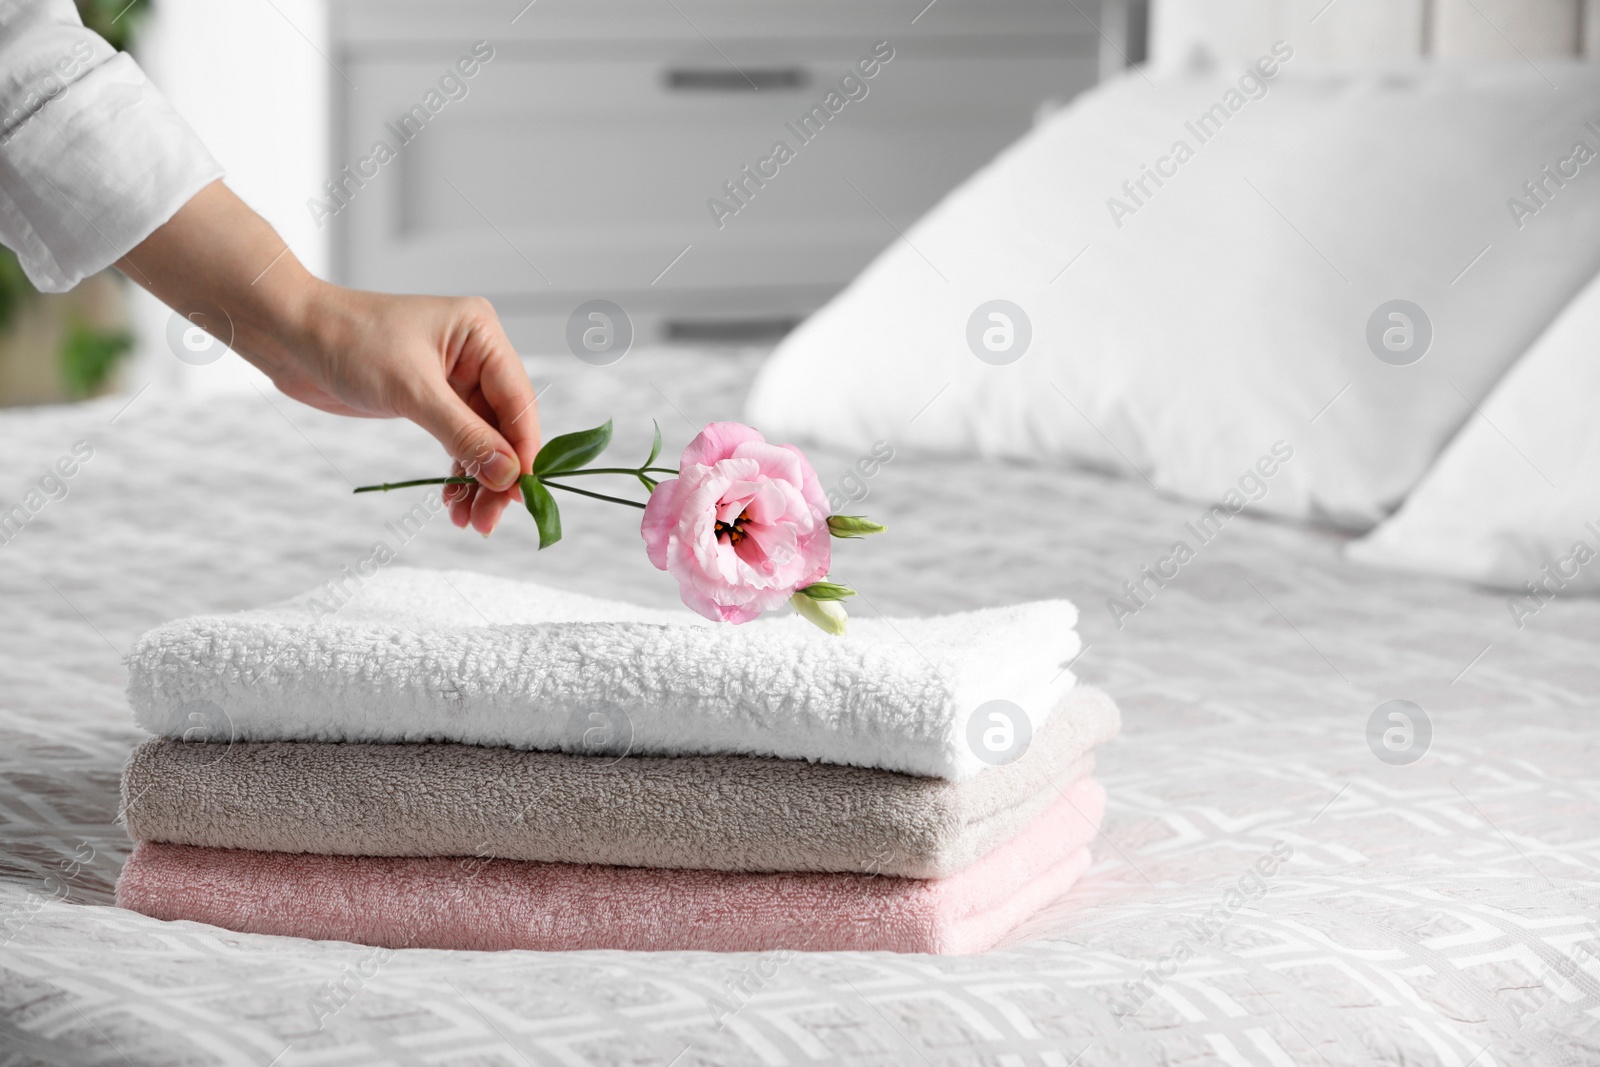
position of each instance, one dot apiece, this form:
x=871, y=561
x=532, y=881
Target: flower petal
x=766, y=504
x=768, y=547
x=717, y=441
x=774, y=461
x=810, y=485
x=660, y=516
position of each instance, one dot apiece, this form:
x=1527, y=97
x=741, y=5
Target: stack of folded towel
x=443, y=760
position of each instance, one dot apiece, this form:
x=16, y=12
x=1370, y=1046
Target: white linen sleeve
x=92, y=157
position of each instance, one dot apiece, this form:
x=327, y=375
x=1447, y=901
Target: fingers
x=478, y=447
x=505, y=385
x=487, y=508
x=485, y=413
x=476, y=505
x=458, y=498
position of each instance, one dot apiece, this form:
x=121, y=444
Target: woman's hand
x=445, y=364
x=442, y=362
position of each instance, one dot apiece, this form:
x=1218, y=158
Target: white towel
x=416, y=655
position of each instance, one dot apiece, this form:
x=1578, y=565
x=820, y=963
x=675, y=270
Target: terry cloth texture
x=411, y=655
x=506, y=904
x=725, y=813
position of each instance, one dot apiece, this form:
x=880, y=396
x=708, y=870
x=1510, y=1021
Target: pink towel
x=507, y=904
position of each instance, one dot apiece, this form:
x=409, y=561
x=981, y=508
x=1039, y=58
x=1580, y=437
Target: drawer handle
x=723, y=80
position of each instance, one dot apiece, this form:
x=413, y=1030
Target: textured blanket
x=506, y=904
x=729, y=813
x=411, y=655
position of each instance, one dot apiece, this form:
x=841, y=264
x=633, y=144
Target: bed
x=1439, y=911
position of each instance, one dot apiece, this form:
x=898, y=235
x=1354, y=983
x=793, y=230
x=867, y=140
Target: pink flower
x=742, y=527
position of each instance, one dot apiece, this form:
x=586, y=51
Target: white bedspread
x=1441, y=912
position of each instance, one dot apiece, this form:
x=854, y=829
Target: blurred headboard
x=1374, y=29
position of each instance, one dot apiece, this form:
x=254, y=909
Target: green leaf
x=655, y=445
x=572, y=450
x=826, y=591
x=542, y=506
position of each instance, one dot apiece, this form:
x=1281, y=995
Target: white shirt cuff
x=94, y=172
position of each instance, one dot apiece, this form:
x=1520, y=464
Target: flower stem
x=614, y=470
x=637, y=472
x=386, y=486
x=597, y=496
x=462, y=480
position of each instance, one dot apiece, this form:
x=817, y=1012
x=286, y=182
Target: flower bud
x=826, y=591
x=853, y=526
x=827, y=615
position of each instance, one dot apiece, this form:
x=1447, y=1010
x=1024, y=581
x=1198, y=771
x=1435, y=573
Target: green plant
x=115, y=20
x=89, y=355
x=14, y=287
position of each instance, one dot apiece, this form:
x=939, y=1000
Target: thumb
x=480, y=449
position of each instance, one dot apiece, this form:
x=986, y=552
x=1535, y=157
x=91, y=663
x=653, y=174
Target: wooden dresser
x=628, y=150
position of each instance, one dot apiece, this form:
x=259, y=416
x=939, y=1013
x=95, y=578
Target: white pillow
x=1229, y=311
x=1516, y=497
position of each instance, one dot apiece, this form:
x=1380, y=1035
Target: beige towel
x=728, y=813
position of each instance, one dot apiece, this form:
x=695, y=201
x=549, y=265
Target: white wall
x=1237, y=30
x=251, y=78
x=1333, y=30
x=1507, y=29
